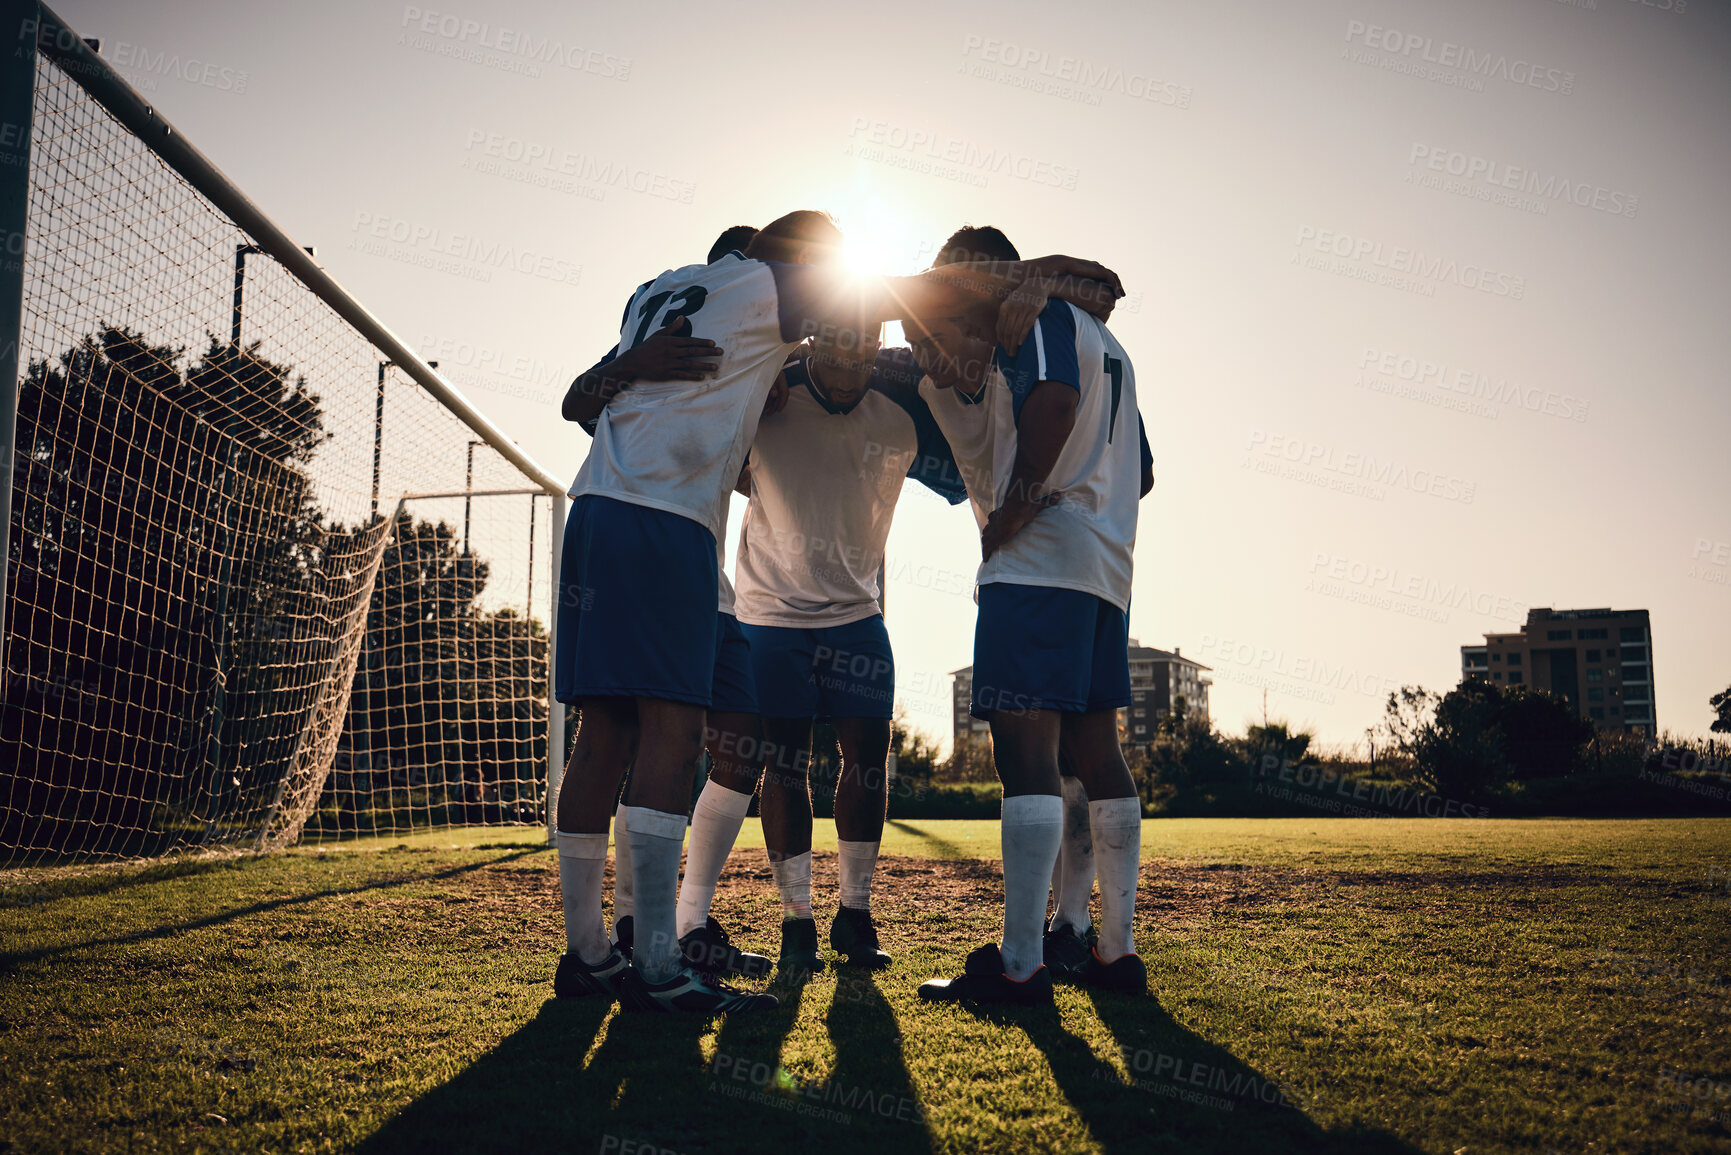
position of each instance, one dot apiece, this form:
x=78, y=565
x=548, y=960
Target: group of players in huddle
x=761, y=371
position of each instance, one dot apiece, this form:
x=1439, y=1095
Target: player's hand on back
x=1008, y=519
x=666, y=355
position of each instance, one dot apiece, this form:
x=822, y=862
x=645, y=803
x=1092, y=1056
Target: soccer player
x=733, y=730
x=824, y=476
x=1050, y=425
x=635, y=642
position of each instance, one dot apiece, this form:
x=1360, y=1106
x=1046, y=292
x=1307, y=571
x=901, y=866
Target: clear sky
x=1427, y=302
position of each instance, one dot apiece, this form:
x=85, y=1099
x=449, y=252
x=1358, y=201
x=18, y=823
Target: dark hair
x=782, y=238
x=730, y=239
x=976, y=243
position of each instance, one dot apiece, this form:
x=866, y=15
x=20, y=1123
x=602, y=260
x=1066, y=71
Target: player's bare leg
x=734, y=742
x=786, y=810
x=606, y=742
x=1090, y=746
x=861, y=800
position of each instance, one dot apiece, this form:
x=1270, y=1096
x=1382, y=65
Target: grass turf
x=1318, y=984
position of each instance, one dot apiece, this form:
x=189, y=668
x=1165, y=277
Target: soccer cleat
x=688, y=992
x=854, y=935
x=1125, y=975
x=709, y=949
x=576, y=978
x=799, y=953
x=983, y=981
x=1066, y=951
x=623, y=934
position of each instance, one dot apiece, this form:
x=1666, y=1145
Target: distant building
x=1156, y=677
x=1599, y=661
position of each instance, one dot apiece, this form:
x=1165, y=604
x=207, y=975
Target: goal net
x=261, y=583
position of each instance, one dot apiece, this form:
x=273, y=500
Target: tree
x=1452, y=740
x=442, y=684
x=1543, y=736
x=163, y=523
x=1721, y=703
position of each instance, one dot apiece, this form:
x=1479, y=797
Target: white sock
x=582, y=860
x=656, y=838
x=715, y=823
x=622, y=904
x=858, y=860
x=1032, y=827
x=1117, y=824
x=1073, y=880
x=793, y=879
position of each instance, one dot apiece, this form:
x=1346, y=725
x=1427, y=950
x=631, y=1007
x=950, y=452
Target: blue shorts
x=735, y=686
x=1038, y=648
x=637, y=590
x=834, y=672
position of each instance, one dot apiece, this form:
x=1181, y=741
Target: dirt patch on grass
x=912, y=892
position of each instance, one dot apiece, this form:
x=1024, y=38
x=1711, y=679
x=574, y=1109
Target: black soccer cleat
x=1126, y=975
x=983, y=981
x=577, y=979
x=854, y=936
x=709, y=949
x=688, y=992
x=624, y=931
x=799, y=953
x=1066, y=951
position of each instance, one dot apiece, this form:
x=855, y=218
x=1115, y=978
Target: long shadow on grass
x=943, y=848
x=11, y=960
x=647, y=1084
x=1181, y=1093
x=871, y=1083
x=47, y=890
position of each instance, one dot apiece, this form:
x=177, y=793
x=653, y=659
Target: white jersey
x=824, y=487
x=679, y=445
x=1085, y=541
x=970, y=426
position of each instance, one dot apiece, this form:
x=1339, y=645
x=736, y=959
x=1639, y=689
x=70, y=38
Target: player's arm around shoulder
x=666, y=355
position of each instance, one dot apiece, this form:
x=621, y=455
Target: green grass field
x=1317, y=985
